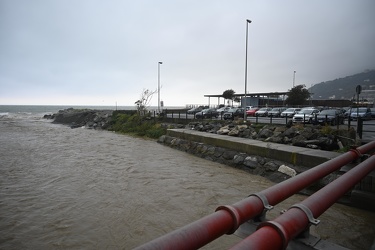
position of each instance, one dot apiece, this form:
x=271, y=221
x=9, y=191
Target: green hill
x=345, y=88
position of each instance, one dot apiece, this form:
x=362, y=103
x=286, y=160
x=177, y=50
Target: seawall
x=274, y=161
x=289, y=154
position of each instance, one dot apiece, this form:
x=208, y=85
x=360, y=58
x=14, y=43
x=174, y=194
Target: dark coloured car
x=330, y=116
x=233, y=113
x=222, y=110
x=372, y=113
x=195, y=110
x=276, y=112
x=207, y=113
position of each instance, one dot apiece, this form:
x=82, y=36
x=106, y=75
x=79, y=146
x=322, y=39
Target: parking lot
x=368, y=129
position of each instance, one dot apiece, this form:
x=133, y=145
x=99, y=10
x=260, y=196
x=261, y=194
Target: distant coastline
x=36, y=109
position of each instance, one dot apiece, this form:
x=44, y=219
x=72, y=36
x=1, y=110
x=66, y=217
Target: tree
x=229, y=94
x=298, y=95
x=144, y=100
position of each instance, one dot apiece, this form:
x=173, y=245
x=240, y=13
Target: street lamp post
x=247, y=26
x=294, y=78
x=159, y=86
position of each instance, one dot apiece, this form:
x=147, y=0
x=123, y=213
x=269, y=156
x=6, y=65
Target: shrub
x=138, y=125
x=326, y=130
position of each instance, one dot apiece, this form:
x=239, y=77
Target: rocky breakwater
x=75, y=118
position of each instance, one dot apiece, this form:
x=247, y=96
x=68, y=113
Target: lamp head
x=160, y=62
x=249, y=21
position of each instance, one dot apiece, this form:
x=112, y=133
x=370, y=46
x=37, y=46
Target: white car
x=290, y=112
x=305, y=116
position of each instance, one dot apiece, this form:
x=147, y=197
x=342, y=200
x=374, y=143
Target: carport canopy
x=264, y=94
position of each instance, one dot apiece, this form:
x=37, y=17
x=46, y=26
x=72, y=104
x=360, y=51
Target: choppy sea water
x=63, y=188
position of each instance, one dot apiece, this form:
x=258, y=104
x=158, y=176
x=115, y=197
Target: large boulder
x=290, y=132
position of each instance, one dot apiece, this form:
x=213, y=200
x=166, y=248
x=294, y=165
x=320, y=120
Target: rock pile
x=315, y=137
x=83, y=118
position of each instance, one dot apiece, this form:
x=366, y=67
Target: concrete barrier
x=290, y=154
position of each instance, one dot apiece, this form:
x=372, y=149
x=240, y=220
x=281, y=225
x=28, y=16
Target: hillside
x=344, y=88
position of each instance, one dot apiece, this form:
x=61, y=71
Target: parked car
x=222, y=110
x=290, y=112
x=276, y=112
x=305, y=115
x=348, y=112
x=263, y=112
x=251, y=112
x=207, y=113
x=330, y=116
x=195, y=110
x=364, y=113
x=372, y=112
x=233, y=112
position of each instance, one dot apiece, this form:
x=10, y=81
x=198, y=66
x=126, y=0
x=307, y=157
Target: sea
x=50, y=109
x=63, y=188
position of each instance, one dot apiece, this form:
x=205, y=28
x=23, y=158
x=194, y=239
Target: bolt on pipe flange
x=356, y=152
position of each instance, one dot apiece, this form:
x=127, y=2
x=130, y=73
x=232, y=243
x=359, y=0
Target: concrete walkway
x=289, y=154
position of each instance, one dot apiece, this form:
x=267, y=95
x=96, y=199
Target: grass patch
x=134, y=124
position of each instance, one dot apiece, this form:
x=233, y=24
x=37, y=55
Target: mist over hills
x=345, y=88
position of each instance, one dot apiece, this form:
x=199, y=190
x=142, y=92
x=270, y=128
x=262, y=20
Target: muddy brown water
x=63, y=188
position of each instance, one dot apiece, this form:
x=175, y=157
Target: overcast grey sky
x=94, y=52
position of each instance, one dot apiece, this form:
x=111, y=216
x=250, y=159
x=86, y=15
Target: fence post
x=349, y=122
x=304, y=117
x=359, y=126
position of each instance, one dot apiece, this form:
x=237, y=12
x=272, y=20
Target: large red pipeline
x=277, y=233
x=227, y=219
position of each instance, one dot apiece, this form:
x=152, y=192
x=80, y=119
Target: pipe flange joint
x=356, y=152
x=308, y=213
x=235, y=217
x=279, y=229
x=264, y=200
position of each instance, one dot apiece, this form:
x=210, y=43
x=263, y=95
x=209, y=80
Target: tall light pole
x=294, y=77
x=247, y=26
x=159, y=86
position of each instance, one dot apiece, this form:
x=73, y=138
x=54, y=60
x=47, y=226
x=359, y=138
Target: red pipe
x=228, y=218
x=277, y=233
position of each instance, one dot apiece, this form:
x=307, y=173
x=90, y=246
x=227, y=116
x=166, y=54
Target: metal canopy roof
x=253, y=94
